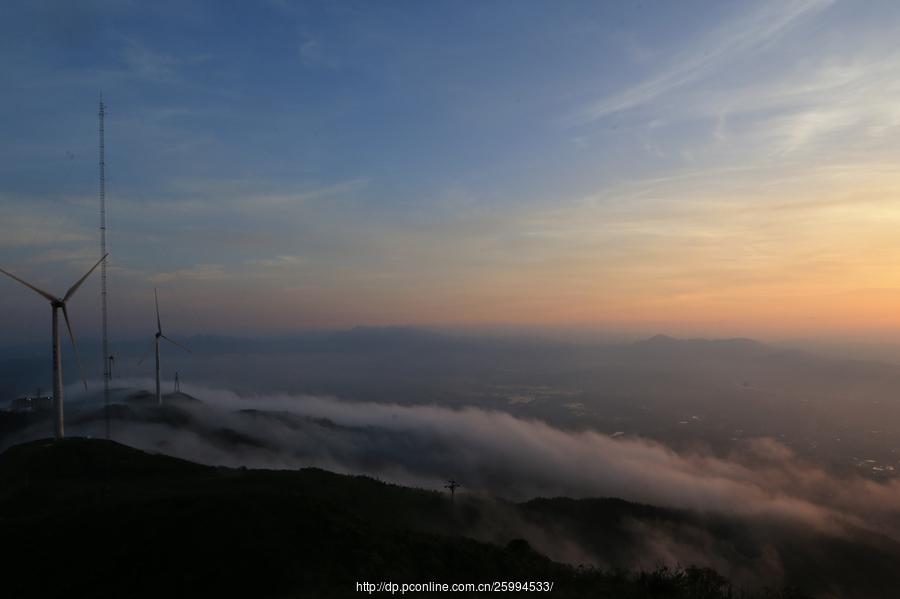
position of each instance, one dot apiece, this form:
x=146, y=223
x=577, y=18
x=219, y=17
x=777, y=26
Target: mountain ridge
x=162, y=523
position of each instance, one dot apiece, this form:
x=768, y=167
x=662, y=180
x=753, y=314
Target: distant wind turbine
x=453, y=486
x=56, y=303
x=160, y=335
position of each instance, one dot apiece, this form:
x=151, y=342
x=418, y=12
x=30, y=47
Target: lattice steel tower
x=107, y=357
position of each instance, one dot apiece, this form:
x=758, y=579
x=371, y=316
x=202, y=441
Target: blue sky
x=282, y=165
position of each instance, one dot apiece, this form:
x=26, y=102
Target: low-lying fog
x=488, y=451
x=780, y=438
x=703, y=396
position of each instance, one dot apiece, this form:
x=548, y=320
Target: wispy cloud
x=28, y=223
x=276, y=261
x=194, y=193
x=78, y=256
x=198, y=273
x=147, y=63
x=744, y=35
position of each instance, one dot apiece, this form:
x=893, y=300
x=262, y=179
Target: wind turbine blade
x=146, y=355
x=74, y=346
x=176, y=343
x=75, y=287
x=30, y=286
x=158, y=324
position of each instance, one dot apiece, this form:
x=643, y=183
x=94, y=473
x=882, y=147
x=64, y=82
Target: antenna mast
x=107, y=371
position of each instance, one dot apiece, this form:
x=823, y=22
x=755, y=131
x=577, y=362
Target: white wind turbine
x=160, y=335
x=56, y=303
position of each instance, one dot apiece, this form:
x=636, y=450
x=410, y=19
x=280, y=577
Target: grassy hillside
x=97, y=519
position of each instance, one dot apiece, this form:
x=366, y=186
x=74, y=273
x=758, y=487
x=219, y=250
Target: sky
x=709, y=168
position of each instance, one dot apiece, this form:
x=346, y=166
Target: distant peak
x=731, y=346
x=659, y=339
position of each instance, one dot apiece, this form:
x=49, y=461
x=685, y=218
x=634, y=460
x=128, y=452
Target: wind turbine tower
x=57, y=303
x=160, y=335
x=452, y=485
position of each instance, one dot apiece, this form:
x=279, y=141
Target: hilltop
x=118, y=522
